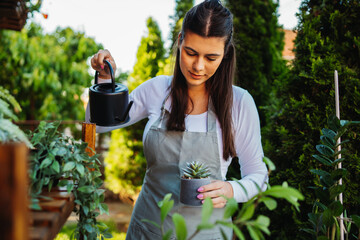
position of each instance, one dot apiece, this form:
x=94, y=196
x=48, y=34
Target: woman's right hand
x=97, y=63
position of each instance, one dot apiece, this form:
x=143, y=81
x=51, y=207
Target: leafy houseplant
x=244, y=218
x=9, y=132
x=327, y=209
x=195, y=175
x=61, y=160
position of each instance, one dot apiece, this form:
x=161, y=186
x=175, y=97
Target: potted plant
x=195, y=175
x=61, y=160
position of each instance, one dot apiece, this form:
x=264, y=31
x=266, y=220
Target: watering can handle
x=111, y=73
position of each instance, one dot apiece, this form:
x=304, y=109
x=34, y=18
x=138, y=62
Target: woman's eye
x=211, y=59
x=191, y=54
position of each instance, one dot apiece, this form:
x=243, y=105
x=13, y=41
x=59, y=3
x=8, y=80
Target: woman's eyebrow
x=210, y=54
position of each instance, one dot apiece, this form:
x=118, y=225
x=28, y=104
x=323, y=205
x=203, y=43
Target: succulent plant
x=196, y=170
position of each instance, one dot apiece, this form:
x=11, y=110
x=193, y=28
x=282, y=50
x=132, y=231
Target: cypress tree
x=327, y=40
x=181, y=8
x=259, y=43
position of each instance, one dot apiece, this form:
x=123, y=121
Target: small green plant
x=243, y=218
x=9, y=132
x=195, y=170
x=61, y=160
x=327, y=209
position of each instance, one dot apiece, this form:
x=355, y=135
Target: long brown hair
x=208, y=19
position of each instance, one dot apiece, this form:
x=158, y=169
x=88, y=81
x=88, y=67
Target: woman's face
x=200, y=57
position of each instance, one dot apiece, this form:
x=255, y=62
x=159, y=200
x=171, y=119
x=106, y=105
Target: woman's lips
x=195, y=76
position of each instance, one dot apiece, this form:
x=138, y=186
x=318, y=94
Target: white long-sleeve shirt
x=147, y=101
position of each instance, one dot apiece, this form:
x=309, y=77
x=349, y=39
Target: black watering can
x=109, y=102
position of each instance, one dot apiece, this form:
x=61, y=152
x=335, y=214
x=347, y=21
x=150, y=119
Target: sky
x=119, y=24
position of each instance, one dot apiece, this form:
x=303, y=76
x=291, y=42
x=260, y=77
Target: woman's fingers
x=216, y=190
x=97, y=63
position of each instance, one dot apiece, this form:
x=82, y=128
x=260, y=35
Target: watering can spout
x=125, y=117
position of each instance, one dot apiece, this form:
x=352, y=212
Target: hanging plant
x=61, y=160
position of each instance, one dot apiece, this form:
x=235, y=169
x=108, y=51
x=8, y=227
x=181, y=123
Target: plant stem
x=333, y=232
x=193, y=235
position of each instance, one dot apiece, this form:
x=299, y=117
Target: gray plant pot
x=188, y=190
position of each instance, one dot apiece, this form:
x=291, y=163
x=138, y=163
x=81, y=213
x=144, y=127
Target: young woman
x=196, y=114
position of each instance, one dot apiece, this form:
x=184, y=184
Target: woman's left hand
x=215, y=190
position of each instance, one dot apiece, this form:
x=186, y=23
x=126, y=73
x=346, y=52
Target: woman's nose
x=199, y=64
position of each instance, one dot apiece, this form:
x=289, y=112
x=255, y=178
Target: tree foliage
x=125, y=161
x=181, y=8
x=327, y=40
x=259, y=43
x=46, y=73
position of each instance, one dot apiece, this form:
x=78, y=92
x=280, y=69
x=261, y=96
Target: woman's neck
x=198, y=101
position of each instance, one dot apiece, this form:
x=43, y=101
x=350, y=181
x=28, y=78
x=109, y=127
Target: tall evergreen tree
x=327, y=40
x=125, y=162
x=259, y=43
x=181, y=7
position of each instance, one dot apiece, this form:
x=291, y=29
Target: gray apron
x=166, y=153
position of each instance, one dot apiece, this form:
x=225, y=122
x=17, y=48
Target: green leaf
x=80, y=168
x=204, y=226
x=165, y=206
x=320, y=172
x=356, y=220
x=269, y=163
x=247, y=212
x=152, y=222
x=86, y=189
x=206, y=210
x=180, y=226
x=45, y=163
x=88, y=228
x=326, y=180
x=336, y=208
x=85, y=210
x=339, y=173
x=70, y=187
x=288, y=193
x=223, y=234
x=323, y=160
x=270, y=203
x=328, y=133
x=104, y=208
x=336, y=190
x=325, y=150
x=56, y=166
x=334, y=123
x=254, y=235
x=69, y=166
x=263, y=223
x=327, y=141
x=327, y=217
x=238, y=232
x=230, y=208
x=167, y=235
x=61, y=152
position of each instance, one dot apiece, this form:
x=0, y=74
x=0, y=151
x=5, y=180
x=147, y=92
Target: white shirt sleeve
x=248, y=147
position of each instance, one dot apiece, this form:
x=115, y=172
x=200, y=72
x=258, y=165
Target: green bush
x=327, y=40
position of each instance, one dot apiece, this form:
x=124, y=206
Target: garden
x=54, y=162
